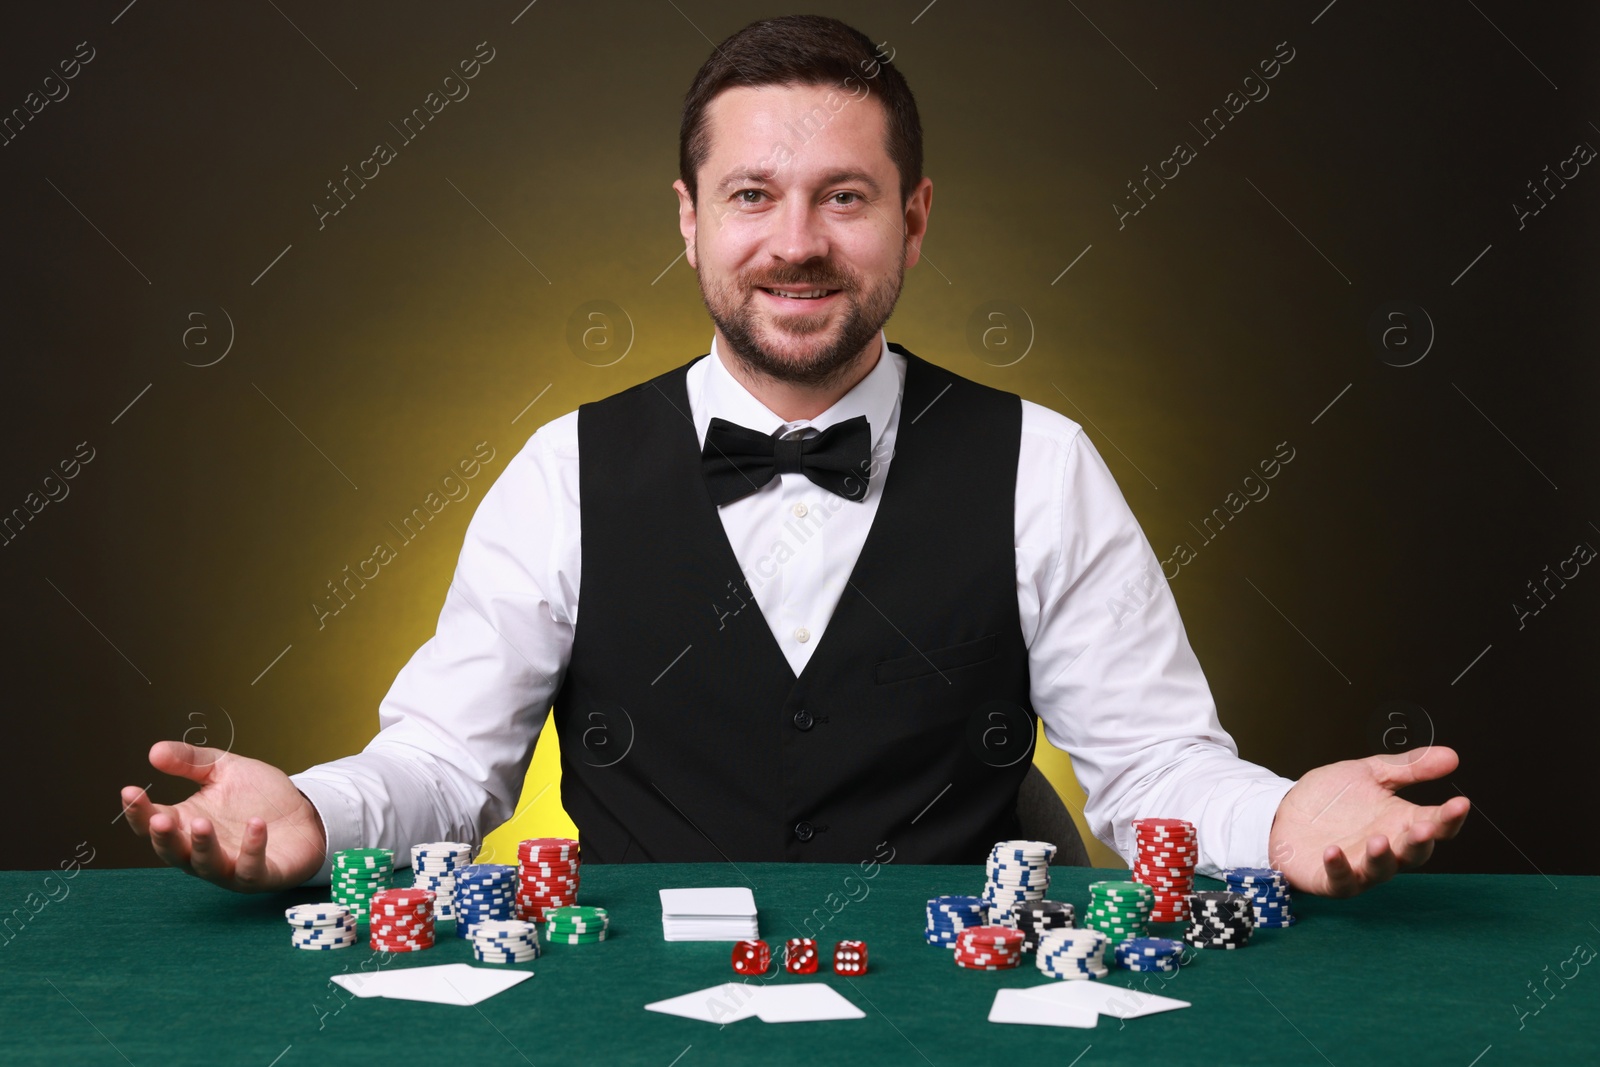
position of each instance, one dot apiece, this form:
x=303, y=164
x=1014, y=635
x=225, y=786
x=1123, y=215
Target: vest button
x=803, y=720
x=804, y=830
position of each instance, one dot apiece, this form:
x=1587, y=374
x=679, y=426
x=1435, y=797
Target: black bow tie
x=737, y=460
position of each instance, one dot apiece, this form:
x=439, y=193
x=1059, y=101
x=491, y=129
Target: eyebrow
x=756, y=176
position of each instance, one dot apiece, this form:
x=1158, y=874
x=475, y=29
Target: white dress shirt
x=1112, y=675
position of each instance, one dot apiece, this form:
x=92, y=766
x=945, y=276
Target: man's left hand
x=1341, y=830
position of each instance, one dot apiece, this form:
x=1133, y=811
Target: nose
x=798, y=233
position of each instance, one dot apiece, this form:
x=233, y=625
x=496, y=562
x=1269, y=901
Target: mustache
x=798, y=279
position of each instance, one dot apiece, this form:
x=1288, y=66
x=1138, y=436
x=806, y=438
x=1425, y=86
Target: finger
x=137, y=808
x=184, y=760
x=250, y=870
x=1381, y=862
x=1342, y=881
x=1400, y=769
x=1416, y=843
x=169, y=841
x=1450, y=816
x=206, y=854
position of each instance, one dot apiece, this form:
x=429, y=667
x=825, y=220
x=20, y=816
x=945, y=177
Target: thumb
x=1400, y=769
x=194, y=762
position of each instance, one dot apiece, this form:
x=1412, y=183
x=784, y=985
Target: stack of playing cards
x=708, y=914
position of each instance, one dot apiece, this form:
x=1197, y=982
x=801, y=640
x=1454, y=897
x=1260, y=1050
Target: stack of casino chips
x=1220, y=920
x=1268, y=891
x=547, y=869
x=321, y=926
x=1069, y=953
x=358, y=873
x=1035, y=917
x=949, y=915
x=1168, y=850
x=1150, y=954
x=575, y=926
x=1019, y=873
x=989, y=948
x=401, y=920
x=505, y=941
x=1119, y=910
x=433, y=866
x=485, y=892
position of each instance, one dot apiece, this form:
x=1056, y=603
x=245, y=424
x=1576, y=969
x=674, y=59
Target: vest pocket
x=937, y=659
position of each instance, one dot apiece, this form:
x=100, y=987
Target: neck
x=791, y=401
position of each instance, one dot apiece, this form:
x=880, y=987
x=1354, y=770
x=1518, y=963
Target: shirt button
x=800, y=511
x=804, y=830
x=802, y=634
x=803, y=720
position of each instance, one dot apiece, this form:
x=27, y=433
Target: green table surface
x=155, y=967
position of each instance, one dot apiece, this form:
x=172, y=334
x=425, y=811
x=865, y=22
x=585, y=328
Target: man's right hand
x=248, y=828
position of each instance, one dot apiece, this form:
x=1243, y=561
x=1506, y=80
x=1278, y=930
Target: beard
x=800, y=349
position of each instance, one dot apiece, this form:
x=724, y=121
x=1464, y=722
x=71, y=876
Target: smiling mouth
x=799, y=294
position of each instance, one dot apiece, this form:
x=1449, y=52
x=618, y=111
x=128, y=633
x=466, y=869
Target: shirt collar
x=874, y=396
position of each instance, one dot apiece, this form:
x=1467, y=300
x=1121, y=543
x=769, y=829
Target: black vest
x=685, y=735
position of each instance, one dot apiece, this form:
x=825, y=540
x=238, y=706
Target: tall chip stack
x=485, y=892
x=949, y=915
x=434, y=866
x=1018, y=873
x=358, y=873
x=1220, y=920
x=1168, y=852
x=1268, y=891
x=401, y=920
x=547, y=872
x=1119, y=910
x=1034, y=918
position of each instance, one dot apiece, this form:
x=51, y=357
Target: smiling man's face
x=800, y=239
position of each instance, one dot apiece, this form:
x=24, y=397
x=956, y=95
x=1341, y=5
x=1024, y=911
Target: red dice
x=800, y=955
x=850, y=957
x=751, y=957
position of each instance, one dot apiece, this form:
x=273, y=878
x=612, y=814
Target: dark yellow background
x=378, y=351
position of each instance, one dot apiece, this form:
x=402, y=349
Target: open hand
x=248, y=828
x=1341, y=830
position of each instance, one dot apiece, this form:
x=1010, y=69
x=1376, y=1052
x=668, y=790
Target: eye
x=740, y=195
x=856, y=197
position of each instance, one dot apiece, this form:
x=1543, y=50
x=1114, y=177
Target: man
x=745, y=686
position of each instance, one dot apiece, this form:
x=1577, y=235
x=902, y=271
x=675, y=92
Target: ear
x=686, y=220
x=918, y=207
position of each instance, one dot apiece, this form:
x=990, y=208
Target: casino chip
x=1068, y=953
x=1220, y=920
x=1119, y=910
x=434, y=866
x=1268, y=890
x=548, y=876
x=321, y=926
x=1167, y=854
x=401, y=920
x=576, y=925
x=1035, y=917
x=1150, y=954
x=949, y=915
x=357, y=874
x=505, y=941
x=1018, y=873
x=989, y=948
x=484, y=892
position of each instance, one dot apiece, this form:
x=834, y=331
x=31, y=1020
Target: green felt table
x=154, y=967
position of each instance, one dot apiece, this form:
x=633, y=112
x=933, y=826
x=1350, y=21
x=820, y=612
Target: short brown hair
x=801, y=50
